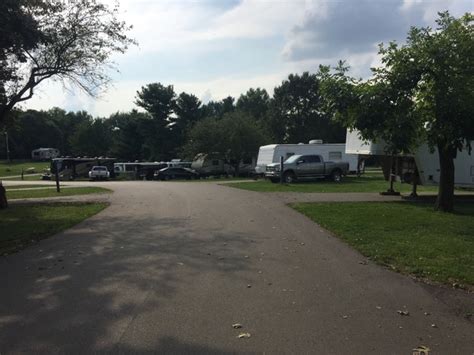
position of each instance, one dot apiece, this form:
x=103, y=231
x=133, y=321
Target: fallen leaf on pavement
x=237, y=326
x=403, y=313
x=244, y=336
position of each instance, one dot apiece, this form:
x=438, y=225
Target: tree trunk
x=445, y=200
x=3, y=197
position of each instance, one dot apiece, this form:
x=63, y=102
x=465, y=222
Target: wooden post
x=281, y=170
x=56, y=175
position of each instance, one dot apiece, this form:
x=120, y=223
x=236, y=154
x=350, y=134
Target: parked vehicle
x=269, y=154
x=211, y=165
x=172, y=173
x=72, y=168
x=99, y=173
x=44, y=153
x=421, y=167
x=306, y=167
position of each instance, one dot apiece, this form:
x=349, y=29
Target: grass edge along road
x=22, y=225
x=51, y=192
x=348, y=184
x=15, y=168
x=410, y=238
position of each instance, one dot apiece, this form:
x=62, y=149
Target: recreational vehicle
x=211, y=165
x=269, y=154
x=44, y=153
x=139, y=170
x=422, y=167
x=72, y=168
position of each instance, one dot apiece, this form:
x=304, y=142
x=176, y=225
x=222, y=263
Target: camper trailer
x=44, y=153
x=211, y=165
x=268, y=154
x=421, y=167
x=72, y=168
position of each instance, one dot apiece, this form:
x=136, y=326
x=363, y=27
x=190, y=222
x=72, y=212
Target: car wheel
x=289, y=177
x=336, y=175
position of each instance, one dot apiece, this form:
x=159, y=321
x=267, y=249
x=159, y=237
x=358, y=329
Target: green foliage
x=296, y=113
x=235, y=137
x=255, y=102
x=427, y=244
x=92, y=138
x=75, y=42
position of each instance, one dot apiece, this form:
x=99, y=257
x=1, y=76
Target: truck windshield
x=292, y=159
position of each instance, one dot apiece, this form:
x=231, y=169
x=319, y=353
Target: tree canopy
x=69, y=41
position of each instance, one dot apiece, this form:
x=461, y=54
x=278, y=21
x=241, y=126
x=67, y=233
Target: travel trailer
x=423, y=165
x=268, y=154
x=44, y=153
x=72, y=168
x=211, y=165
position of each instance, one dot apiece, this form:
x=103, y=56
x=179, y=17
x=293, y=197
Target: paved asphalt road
x=169, y=267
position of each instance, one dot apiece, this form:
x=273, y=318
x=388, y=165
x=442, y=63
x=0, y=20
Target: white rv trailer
x=268, y=154
x=423, y=162
x=44, y=153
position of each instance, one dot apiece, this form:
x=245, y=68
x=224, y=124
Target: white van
x=268, y=154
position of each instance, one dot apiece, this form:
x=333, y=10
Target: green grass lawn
x=409, y=237
x=25, y=186
x=15, y=167
x=367, y=183
x=51, y=192
x=24, y=224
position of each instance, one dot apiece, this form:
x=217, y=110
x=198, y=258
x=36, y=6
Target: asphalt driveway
x=170, y=267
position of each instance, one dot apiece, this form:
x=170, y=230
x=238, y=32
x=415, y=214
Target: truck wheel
x=336, y=175
x=289, y=177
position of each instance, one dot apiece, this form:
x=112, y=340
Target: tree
x=92, y=138
x=75, y=42
x=187, y=112
x=18, y=33
x=127, y=139
x=434, y=72
x=296, y=112
x=254, y=102
x=159, y=101
x=235, y=137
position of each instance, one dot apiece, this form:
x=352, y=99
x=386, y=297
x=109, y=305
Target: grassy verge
x=375, y=183
x=26, y=186
x=15, y=168
x=70, y=191
x=410, y=238
x=24, y=224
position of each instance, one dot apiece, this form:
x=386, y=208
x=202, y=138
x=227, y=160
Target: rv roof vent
x=316, y=141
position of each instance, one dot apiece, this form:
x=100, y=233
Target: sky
x=217, y=48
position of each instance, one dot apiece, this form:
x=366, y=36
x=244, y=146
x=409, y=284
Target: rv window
x=215, y=162
x=335, y=155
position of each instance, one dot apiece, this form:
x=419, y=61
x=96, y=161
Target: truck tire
x=336, y=175
x=289, y=177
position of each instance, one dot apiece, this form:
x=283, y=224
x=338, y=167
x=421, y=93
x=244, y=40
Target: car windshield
x=292, y=159
x=100, y=168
